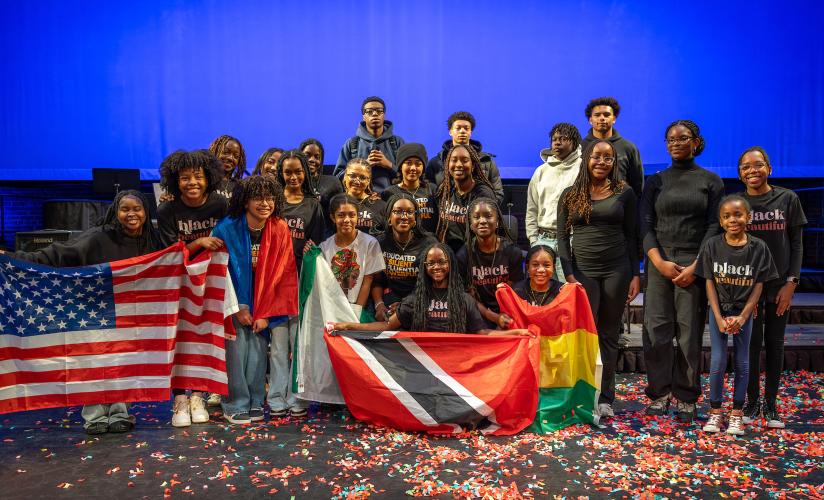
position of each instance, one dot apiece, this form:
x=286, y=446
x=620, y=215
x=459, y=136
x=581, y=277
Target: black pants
x=672, y=312
x=767, y=329
x=607, y=294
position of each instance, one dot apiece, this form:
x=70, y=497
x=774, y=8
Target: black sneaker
x=256, y=414
x=659, y=406
x=121, y=426
x=686, y=412
x=97, y=428
x=772, y=417
x=752, y=409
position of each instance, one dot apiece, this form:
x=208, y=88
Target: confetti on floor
x=330, y=455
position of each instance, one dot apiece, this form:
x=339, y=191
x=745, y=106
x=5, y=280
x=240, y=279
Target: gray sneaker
x=238, y=418
x=605, y=410
x=686, y=412
x=659, y=406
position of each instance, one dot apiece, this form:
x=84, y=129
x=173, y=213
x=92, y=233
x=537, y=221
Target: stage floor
x=46, y=454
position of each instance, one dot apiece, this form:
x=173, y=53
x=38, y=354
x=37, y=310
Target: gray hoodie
x=545, y=187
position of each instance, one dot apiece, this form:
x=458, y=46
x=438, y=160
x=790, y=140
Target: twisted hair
x=471, y=239
x=218, y=145
x=417, y=230
x=362, y=162
x=262, y=159
x=568, y=130
x=447, y=186
x=149, y=239
x=255, y=187
x=578, y=200
x=199, y=159
x=602, y=101
x=424, y=294
x=306, y=187
x=694, y=130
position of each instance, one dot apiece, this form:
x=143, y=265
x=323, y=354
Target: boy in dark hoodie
x=461, y=124
x=376, y=141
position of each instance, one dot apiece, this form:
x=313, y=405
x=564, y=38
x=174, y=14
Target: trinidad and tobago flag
x=438, y=382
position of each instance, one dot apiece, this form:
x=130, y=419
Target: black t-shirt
x=735, y=270
x=255, y=237
x=225, y=188
x=524, y=291
x=178, y=221
x=427, y=200
x=608, y=238
x=327, y=186
x=370, y=216
x=490, y=269
x=437, y=317
x=775, y=216
x=306, y=222
x=401, y=273
x=454, y=212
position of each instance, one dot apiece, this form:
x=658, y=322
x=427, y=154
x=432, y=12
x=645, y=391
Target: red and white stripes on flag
x=126, y=331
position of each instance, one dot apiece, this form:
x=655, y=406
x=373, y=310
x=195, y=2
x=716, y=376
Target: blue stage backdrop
x=121, y=84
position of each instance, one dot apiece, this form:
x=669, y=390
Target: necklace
x=403, y=247
x=413, y=193
x=534, y=298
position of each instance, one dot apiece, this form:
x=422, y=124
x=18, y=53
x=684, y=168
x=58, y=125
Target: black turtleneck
x=679, y=207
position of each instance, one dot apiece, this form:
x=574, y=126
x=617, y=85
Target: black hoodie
x=434, y=169
x=628, y=157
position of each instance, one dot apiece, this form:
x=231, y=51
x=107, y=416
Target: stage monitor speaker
x=110, y=181
x=35, y=240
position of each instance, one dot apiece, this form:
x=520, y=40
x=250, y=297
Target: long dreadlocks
x=218, y=145
x=424, y=293
x=447, y=186
x=578, y=200
x=255, y=187
x=471, y=239
x=294, y=154
x=199, y=159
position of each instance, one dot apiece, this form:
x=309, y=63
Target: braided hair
x=578, y=200
x=262, y=159
x=424, y=293
x=471, y=238
x=199, y=159
x=694, y=130
x=567, y=130
x=447, y=186
x=255, y=187
x=417, y=230
x=218, y=145
x=306, y=187
x=149, y=239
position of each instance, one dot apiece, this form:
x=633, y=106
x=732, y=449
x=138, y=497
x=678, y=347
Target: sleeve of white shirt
x=230, y=305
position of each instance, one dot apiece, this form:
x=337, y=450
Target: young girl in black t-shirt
x=402, y=245
x=777, y=218
x=230, y=152
x=489, y=258
x=324, y=186
x=357, y=181
x=735, y=266
x=439, y=303
x=301, y=209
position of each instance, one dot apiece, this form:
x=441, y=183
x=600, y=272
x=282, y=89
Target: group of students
x=426, y=251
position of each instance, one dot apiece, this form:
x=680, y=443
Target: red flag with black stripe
x=438, y=382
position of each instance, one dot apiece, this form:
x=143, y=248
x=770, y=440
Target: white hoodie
x=545, y=188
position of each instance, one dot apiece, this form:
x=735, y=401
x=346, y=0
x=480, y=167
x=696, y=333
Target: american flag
x=124, y=331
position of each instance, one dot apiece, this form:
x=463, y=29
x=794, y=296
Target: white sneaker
x=198, y=408
x=736, y=425
x=180, y=412
x=715, y=421
x=214, y=399
x=605, y=410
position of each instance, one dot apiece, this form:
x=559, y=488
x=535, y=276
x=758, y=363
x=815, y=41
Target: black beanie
x=411, y=150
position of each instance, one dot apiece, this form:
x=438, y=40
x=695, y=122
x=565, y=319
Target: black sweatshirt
x=628, y=159
x=679, y=207
x=777, y=218
x=95, y=246
x=608, y=238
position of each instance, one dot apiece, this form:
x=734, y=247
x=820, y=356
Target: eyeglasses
x=357, y=177
x=401, y=213
x=608, y=160
x=268, y=200
x=373, y=111
x=436, y=263
x=678, y=140
x=752, y=166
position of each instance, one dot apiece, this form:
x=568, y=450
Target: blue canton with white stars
x=39, y=300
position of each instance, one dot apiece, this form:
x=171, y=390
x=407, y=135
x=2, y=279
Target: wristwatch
x=792, y=279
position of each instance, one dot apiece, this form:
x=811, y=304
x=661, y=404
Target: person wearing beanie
x=562, y=161
x=411, y=180
x=461, y=124
x=375, y=141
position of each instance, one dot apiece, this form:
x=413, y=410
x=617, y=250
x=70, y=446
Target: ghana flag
x=570, y=364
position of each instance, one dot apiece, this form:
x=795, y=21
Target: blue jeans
x=280, y=396
x=718, y=361
x=246, y=370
